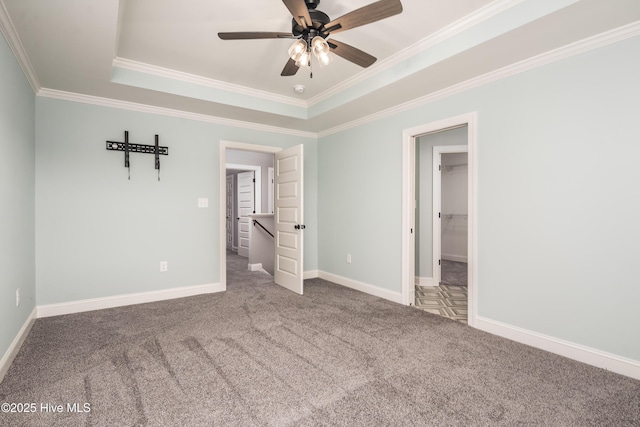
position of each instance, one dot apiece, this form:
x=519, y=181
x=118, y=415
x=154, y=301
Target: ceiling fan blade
x=290, y=69
x=299, y=11
x=351, y=53
x=249, y=35
x=365, y=15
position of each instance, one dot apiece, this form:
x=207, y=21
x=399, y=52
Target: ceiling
x=166, y=53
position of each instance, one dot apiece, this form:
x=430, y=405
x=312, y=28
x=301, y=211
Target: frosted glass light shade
x=319, y=46
x=324, y=59
x=297, y=49
x=303, y=60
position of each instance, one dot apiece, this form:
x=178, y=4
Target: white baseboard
x=258, y=267
x=255, y=267
x=425, y=281
x=456, y=258
x=590, y=356
x=362, y=287
x=310, y=274
x=13, y=349
x=122, y=300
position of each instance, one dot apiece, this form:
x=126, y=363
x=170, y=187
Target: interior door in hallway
x=288, y=201
x=246, y=207
x=229, y=211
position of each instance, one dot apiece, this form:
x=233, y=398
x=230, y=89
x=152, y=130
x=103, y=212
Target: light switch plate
x=203, y=202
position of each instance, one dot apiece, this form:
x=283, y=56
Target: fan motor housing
x=318, y=21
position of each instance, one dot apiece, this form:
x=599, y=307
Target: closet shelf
x=447, y=168
x=450, y=216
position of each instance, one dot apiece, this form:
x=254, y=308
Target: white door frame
x=409, y=202
x=222, y=193
x=230, y=211
x=436, y=234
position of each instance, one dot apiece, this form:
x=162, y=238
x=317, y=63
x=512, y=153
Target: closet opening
x=439, y=211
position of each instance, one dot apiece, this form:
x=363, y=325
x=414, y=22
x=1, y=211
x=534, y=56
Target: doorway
x=421, y=264
x=288, y=215
x=444, y=290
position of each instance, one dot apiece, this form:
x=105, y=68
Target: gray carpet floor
x=453, y=273
x=258, y=354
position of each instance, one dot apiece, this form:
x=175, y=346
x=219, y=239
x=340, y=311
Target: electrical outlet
x=203, y=202
x=164, y=266
x=348, y=258
x=18, y=297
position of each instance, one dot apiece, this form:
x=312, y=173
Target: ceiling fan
x=312, y=28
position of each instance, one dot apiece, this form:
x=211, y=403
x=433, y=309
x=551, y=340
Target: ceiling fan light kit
x=312, y=28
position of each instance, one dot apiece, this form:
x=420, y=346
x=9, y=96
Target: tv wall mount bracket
x=127, y=147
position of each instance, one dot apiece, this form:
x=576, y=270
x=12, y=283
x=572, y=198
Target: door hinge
x=438, y=214
x=439, y=167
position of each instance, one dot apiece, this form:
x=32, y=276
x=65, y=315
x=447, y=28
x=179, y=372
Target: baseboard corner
x=255, y=267
x=14, y=347
x=310, y=274
x=425, y=281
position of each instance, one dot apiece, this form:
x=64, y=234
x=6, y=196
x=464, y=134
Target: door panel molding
x=289, y=218
x=246, y=190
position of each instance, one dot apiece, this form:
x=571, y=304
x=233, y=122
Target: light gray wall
x=557, y=198
x=99, y=234
x=424, y=193
x=17, y=195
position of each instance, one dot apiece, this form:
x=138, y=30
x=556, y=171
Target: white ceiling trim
x=576, y=48
x=469, y=21
x=15, y=44
x=204, y=81
x=144, y=108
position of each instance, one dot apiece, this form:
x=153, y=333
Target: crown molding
x=15, y=44
x=204, y=81
x=144, y=108
x=451, y=30
x=576, y=48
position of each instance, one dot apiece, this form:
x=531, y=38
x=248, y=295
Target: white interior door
x=229, y=212
x=246, y=207
x=288, y=200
